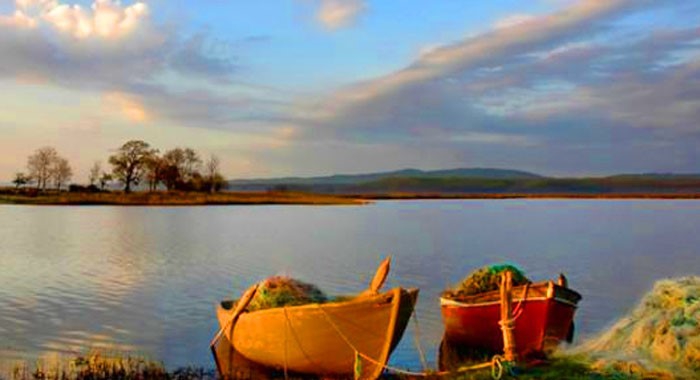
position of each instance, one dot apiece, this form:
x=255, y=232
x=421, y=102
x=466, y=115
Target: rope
x=416, y=338
x=518, y=309
x=286, y=325
x=495, y=363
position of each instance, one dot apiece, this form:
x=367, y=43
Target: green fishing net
x=281, y=291
x=486, y=279
x=661, y=334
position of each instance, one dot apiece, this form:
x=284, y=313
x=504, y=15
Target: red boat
x=543, y=313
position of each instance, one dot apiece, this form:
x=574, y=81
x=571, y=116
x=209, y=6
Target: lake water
x=146, y=280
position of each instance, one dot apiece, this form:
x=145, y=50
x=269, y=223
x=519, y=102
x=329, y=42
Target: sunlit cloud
x=105, y=18
x=514, y=20
x=129, y=107
x=489, y=47
x=18, y=20
x=557, y=82
x=334, y=14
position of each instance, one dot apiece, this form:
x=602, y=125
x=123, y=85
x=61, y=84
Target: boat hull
x=545, y=318
x=323, y=339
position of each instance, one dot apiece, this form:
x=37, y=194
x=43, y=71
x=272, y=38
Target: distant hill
x=656, y=176
x=475, y=181
x=345, y=180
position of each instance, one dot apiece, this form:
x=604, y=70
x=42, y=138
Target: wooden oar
x=379, y=277
x=240, y=306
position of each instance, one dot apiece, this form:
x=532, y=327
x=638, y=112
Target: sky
x=316, y=87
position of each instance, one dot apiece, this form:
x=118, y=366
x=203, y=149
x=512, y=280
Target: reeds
x=100, y=366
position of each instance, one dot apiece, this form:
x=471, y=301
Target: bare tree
x=129, y=163
x=61, y=172
x=213, y=178
x=20, y=180
x=39, y=165
x=154, y=171
x=95, y=171
x=105, y=178
x=191, y=165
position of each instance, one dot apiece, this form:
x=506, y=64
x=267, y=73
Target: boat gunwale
x=359, y=298
x=570, y=296
x=447, y=302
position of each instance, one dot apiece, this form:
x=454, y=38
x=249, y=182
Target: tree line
x=134, y=163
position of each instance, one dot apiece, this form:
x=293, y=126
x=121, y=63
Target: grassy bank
x=95, y=366
x=571, y=367
x=162, y=198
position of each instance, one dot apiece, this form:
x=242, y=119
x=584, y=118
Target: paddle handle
x=240, y=307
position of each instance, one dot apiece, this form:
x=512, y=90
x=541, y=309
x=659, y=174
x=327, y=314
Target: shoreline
x=293, y=198
x=496, y=196
x=160, y=198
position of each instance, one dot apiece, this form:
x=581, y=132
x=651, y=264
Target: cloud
x=582, y=89
x=104, y=46
x=105, y=19
x=335, y=14
x=197, y=55
x=18, y=20
x=669, y=99
x=117, y=50
x=116, y=45
x=514, y=20
x=529, y=93
x=440, y=73
x=490, y=48
x=130, y=107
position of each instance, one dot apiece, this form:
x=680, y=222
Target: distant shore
x=438, y=196
x=162, y=198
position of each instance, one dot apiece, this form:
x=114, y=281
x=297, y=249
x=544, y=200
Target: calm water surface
x=147, y=279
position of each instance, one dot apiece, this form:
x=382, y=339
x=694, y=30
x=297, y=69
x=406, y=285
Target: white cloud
x=483, y=50
x=336, y=14
x=104, y=19
x=18, y=20
x=514, y=20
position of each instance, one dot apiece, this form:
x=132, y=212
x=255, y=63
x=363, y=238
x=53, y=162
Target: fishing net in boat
x=662, y=334
x=486, y=279
x=278, y=291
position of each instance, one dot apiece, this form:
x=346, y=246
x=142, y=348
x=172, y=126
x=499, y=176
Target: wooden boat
x=543, y=313
x=323, y=339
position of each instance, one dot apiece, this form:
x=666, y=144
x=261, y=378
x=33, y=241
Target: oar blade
x=380, y=275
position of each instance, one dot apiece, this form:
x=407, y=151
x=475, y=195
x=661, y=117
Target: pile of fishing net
x=662, y=335
x=486, y=279
x=278, y=291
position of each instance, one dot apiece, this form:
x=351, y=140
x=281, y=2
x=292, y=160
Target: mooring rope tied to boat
x=519, y=308
x=416, y=338
x=286, y=326
x=495, y=363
